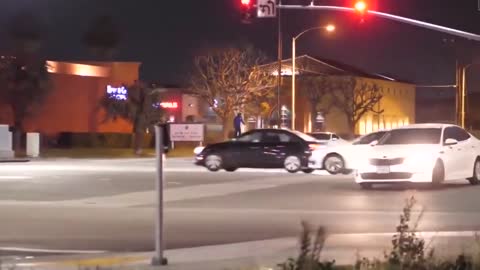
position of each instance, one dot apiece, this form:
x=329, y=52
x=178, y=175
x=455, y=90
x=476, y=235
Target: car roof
x=321, y=132
x=427, y=125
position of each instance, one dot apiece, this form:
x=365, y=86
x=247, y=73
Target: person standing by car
x=237, y=124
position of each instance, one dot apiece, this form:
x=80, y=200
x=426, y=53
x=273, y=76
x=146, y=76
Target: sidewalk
x=264, y=255
x=249, y=255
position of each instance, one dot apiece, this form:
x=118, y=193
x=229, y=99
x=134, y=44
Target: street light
x=464, y=93
x=329, y=28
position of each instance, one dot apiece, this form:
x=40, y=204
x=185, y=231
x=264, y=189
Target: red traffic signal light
x=247, y=9
x=361, y=7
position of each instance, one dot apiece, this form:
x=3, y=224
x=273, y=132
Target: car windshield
x=321, y=136
x=366, y=139
x=412, y=136
x=304, y=136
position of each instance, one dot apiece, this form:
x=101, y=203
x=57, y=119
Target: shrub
x=310, y=251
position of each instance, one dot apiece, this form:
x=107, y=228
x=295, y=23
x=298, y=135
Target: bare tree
x=228, y=79
x=356, y=98
x=318, y=91
x=140, y=106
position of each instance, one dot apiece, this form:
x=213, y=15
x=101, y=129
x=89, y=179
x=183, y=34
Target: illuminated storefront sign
x=169, y=105
x=119, y=93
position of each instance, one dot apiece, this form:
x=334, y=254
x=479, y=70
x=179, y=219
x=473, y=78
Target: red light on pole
x=247, y=7
x=361, y=6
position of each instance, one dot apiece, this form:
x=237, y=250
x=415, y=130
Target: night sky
x=165, y=35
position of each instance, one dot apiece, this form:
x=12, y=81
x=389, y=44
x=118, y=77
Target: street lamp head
x=330, y=28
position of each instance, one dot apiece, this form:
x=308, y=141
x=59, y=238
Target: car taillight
x=314, y=147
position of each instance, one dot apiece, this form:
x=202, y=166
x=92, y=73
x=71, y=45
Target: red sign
x=169, y=105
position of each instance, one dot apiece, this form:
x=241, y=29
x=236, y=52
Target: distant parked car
x=261, y=148
x=326, y=137
x=341, y=158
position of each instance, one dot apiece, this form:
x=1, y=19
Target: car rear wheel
x=475, y=179
x=308, y=170
x=334, y=164
x=438, y=175
x=292, y=164
x=213, y=162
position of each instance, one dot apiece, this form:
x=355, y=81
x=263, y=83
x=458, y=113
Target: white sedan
x=422, y=153
x=341, y=158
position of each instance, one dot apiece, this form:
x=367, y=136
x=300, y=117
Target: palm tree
x=141, y=108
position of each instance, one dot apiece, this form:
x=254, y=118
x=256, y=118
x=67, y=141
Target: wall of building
x=73, y=103
x=398, y=105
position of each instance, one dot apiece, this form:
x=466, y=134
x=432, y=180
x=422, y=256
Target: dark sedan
x=261, y=148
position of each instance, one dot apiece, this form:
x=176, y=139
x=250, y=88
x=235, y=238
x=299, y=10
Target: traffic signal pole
x=461, y=91
x=280, y=56
x=418, y=23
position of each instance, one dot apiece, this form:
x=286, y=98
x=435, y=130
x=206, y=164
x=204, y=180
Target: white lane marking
x=171, y=194
x=96, y=168
x=61, y=251
x=174, y=183
x=14, y=177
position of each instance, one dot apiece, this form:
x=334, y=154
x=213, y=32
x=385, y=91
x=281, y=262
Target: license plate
x=383, y=169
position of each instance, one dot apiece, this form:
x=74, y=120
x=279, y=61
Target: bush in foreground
x=408, y=251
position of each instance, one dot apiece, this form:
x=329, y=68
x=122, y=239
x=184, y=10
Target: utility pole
x=279, y=77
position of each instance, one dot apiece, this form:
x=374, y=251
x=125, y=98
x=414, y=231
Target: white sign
x=187, y=132
x=266, y=9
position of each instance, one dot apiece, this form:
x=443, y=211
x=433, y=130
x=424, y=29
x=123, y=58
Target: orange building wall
x=73, y=104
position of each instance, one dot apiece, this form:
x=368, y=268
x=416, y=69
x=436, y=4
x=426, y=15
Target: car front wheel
x=292, y=164
x=438, y=175
x=475, y=179
x=213, y=162
x=334, y=164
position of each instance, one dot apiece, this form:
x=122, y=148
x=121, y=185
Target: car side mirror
x=374, y=143
x=450, y=141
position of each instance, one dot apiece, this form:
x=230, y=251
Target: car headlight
x=198, y=150
x=420, y=162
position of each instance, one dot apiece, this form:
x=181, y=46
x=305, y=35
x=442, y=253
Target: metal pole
x=279, y=78
x=293, y=81
x=464, y=71
x=159, y=259
x=392, y=17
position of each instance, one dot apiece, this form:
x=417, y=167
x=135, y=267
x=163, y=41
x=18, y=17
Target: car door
x=455, y=157
x=273, y=149
x=247, y=149
x=466, y=152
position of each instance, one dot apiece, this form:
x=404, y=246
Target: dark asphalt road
x=109, y=205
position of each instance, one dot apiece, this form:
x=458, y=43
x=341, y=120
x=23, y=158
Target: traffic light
x=361, y=8
x=247, y=10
